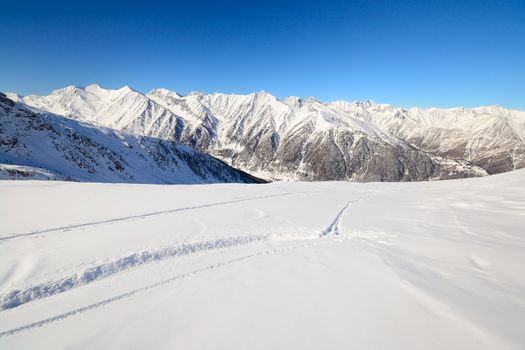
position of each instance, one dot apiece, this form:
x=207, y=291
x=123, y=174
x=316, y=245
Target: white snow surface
x=333, y=265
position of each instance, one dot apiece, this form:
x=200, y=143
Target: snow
x=36, y=146
x=9, y=171
x=330, y=265
x=488, y=139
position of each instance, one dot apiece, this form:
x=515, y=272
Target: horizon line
x=267, y=92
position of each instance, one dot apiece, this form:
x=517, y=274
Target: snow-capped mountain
x=490, y=137
x=305, y=139
x=38, y=146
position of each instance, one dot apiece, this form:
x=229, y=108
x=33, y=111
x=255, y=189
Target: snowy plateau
x=304, y=265
x=160, y=231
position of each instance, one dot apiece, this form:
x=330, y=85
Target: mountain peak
x=92, y=87
x=195, y=93
x=164, y=92
x=67, y=89
x=369, y=102
x=312, y=99
x=126, y=88
x=12, y=96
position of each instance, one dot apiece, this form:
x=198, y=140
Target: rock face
x=35, y=146
x=304, y=139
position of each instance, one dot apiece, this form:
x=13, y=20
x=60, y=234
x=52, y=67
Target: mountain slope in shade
x=304, y=139
x=36, y=146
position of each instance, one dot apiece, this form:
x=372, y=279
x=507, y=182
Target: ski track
x=141, y=290
x=140, y=216
x=18, y=297
x=333, y=228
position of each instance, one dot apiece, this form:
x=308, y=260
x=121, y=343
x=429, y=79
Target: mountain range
x=44, y=146
x=302, y=139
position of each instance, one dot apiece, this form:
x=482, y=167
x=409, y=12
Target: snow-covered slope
x=333, y=265
x=35, y=146
x=490, y=137
x=306, y=139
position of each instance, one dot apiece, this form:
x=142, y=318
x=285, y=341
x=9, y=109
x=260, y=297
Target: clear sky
x=408, y=53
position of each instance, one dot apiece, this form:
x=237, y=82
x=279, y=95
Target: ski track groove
x=140, y=216
x=128, y=294
x=333, y=228
x=18, y=297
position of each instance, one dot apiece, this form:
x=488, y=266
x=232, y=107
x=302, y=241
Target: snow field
x=285, y=265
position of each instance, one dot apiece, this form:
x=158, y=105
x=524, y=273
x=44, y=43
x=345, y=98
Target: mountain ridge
x=47, y=146
x=305, y=139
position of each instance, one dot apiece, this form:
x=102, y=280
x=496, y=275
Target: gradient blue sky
x=425, y=53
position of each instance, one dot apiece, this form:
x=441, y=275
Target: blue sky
x=425, y=53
